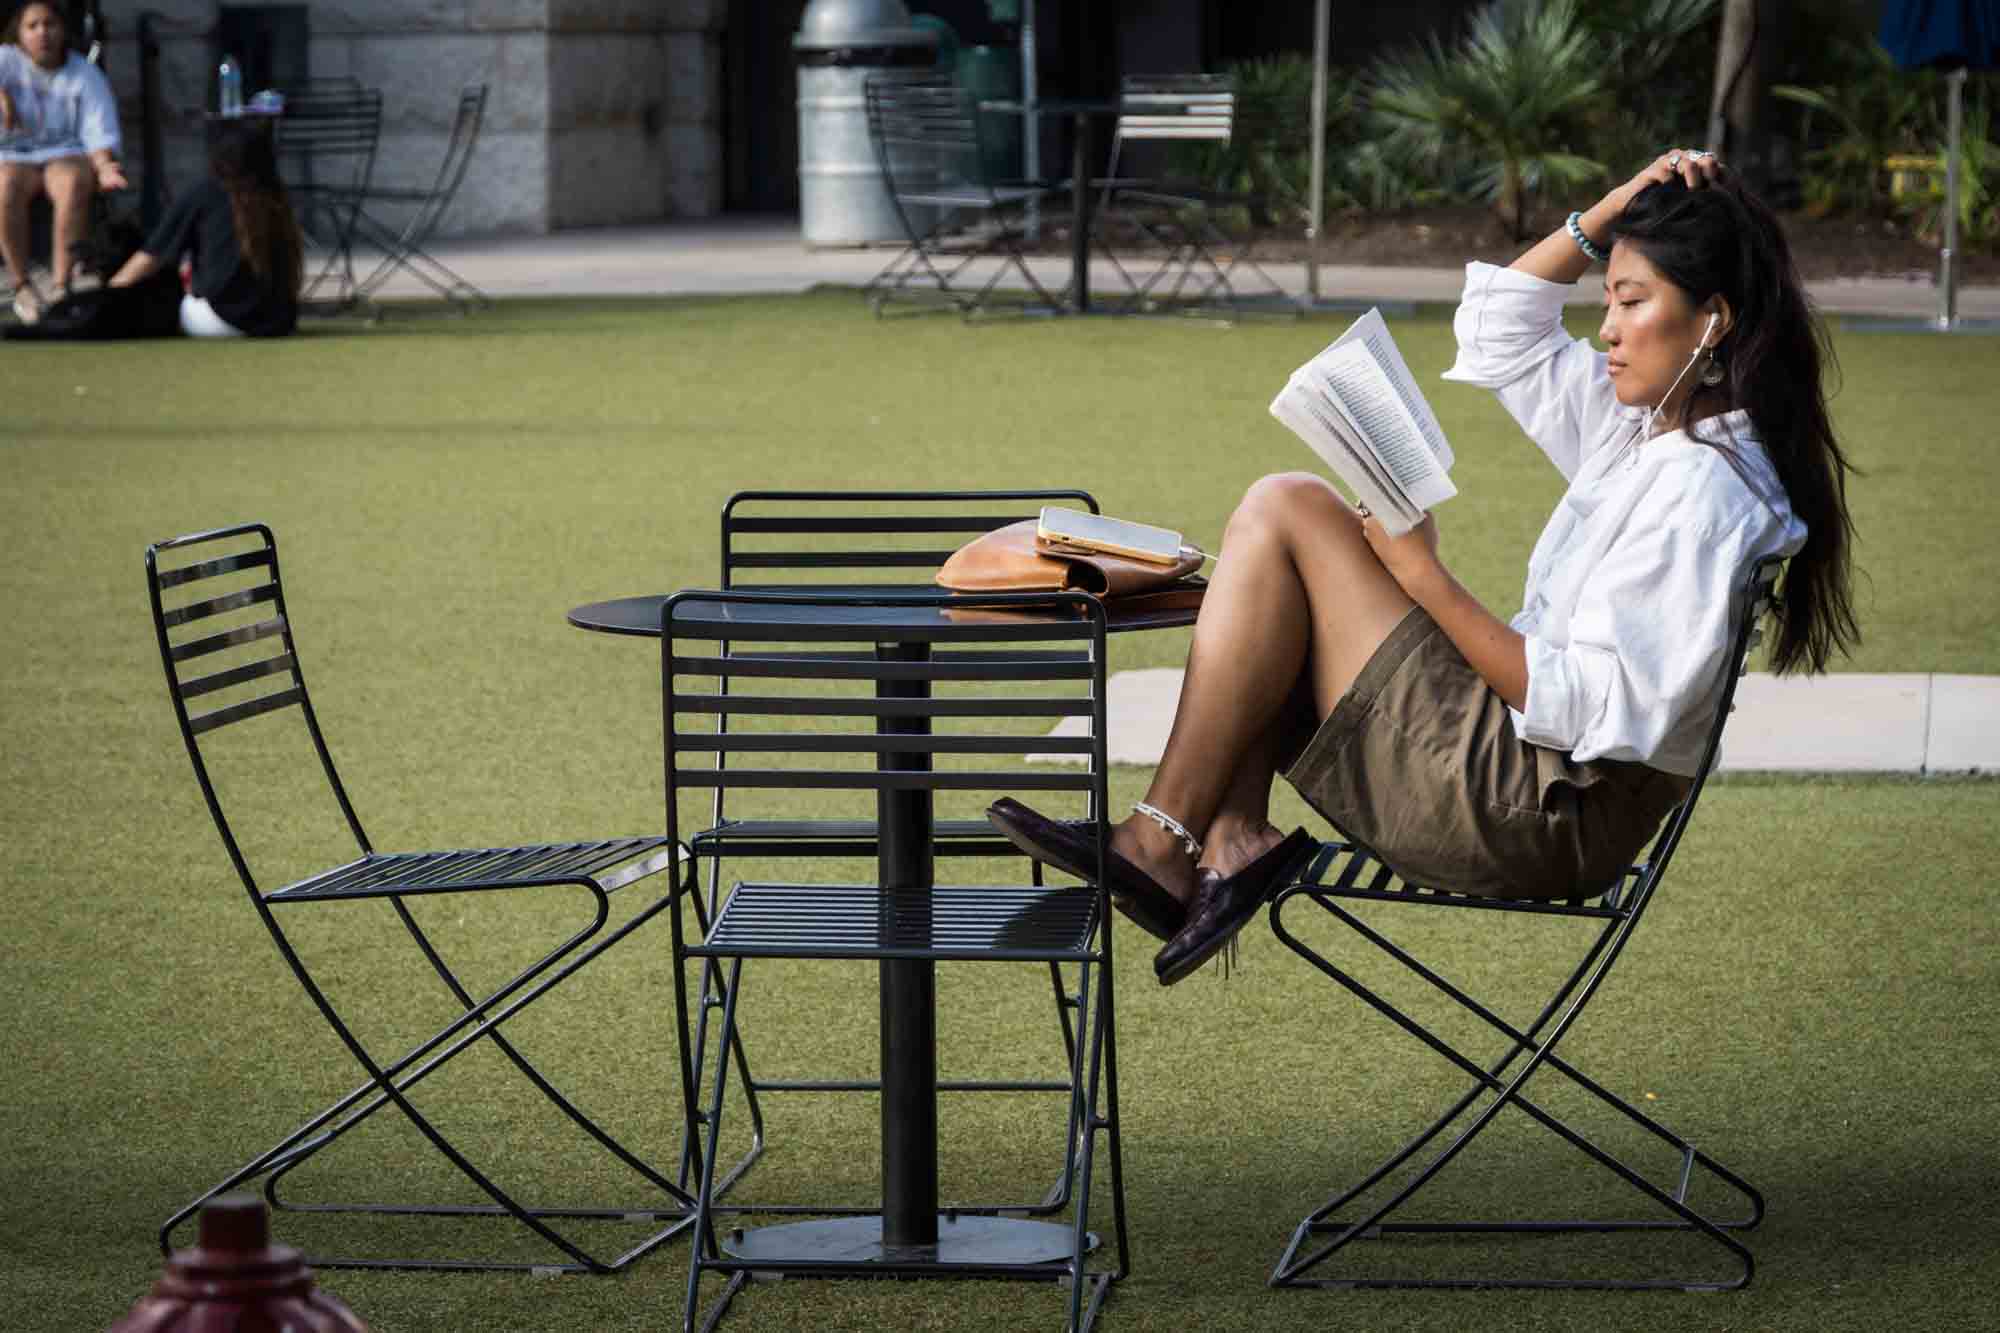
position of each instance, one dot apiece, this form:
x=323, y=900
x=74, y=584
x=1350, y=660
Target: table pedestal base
x=858, y=1240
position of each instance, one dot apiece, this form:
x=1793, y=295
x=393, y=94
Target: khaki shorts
x=1419, y=763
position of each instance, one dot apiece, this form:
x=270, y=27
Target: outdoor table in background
x=910, y=1218
x=1081, y=111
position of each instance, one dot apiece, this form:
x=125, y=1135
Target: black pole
x=909, y=992
x=153, y=191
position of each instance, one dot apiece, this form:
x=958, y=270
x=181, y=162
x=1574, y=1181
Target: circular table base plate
x=858, y=1240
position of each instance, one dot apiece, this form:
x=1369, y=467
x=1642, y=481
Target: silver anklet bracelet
x=1171, y=825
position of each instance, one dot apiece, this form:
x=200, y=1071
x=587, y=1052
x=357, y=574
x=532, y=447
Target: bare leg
x=1298, y=600
x=70, y=182
x=20, y=182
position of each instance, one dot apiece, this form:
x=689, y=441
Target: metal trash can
x=842, y=200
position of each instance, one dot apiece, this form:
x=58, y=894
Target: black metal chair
x=845, y=703
x=1344, y=875
x=326, y=141
x=929, y=140
x=226, y=642
x=867, y=542
x=1172, y=221
x=403, y=247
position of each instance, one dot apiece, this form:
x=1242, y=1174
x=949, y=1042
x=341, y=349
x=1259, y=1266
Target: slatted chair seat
x=956, y=923
x=1351, y=886
x=609, y=865
x=227, y=646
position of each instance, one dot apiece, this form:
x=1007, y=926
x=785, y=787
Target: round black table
x=910, y=1229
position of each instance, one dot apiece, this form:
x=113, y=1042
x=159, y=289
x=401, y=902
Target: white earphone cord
x=1699, y=348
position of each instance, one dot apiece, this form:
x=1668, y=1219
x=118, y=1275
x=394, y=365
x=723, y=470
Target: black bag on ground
x=149, y=309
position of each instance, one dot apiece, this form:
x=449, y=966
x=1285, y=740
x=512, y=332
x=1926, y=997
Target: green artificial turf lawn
x=1813, y=1001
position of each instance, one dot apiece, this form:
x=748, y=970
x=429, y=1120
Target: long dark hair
x=1722, y=239
x=241, y=159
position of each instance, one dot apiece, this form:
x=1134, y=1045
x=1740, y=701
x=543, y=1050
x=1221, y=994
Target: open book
x=1359, y=408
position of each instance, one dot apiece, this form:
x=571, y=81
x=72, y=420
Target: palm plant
x=1661, y=53
x=1877, y=112
x=1508, y=97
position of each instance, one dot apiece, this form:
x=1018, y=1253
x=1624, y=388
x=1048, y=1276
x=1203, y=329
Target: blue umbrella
x=1957, y=36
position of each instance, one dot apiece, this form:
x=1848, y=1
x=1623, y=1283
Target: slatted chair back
x=1173, y=108
x=925, y=131
x=326, y=142
x=226, y=645
x=778, y=540
x=836, y=693
x=329, y=135
x=468, y=116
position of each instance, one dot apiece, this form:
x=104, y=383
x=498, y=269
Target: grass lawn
x=1814, y=1000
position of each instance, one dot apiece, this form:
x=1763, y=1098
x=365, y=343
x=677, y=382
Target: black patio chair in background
x=1177, y=223
x=1352, y=885
x=856, y=542
x=929, y=140
x=403, y=247
x=326, y=142
x=825, y=693
x=226, y=641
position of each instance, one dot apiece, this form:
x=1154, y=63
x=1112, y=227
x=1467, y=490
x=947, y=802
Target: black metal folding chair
x=1344, y=875
x=403, y=247
x=905, y=701
x=226, y=641
x=1176, y=223
x=326, y=141
x=867, y=542
x=928, y=135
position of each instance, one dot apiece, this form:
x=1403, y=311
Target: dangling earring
x=1714, y=372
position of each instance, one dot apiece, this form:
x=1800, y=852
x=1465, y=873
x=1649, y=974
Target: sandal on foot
x=1072, y=849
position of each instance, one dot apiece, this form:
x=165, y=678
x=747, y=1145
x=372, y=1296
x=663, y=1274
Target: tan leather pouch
x=1012, y=559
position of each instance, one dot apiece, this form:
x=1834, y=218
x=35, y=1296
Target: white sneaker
x=28, y=304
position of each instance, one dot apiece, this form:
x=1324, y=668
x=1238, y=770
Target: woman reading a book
x=1532, y=757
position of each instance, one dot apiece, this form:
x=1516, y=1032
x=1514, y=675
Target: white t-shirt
x=1628, y=601
x=66, y=112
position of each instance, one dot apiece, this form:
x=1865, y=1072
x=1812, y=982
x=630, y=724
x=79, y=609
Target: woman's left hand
x=1412, y=558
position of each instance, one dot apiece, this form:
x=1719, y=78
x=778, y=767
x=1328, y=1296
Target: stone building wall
x=598, y=111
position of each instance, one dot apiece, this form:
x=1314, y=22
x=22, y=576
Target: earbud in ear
x=1712, y=321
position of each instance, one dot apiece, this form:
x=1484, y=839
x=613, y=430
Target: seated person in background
x=58, y=136
x=239, y=228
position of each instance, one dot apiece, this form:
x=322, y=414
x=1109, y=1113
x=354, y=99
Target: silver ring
x=1363, y=510
x=1673, y=160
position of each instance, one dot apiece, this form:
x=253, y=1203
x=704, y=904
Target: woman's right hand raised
x=1695, y=167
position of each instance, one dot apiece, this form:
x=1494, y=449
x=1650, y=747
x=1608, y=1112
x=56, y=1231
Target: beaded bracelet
x=1583, y=242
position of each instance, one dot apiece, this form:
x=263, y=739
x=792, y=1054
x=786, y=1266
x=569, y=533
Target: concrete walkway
x=760, y=254
x=1839, y=723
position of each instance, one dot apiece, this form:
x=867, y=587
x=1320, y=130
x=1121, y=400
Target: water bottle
x=229, y=78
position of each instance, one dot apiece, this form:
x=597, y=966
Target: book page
x=1372, y=332
x=1358, y=407
x=1317, y=417
x=1378, y=411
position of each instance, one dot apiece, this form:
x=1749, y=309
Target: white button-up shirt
x=1627, y=606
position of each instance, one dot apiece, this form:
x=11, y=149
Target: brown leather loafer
x=1072, y=849
x=1225, y=906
